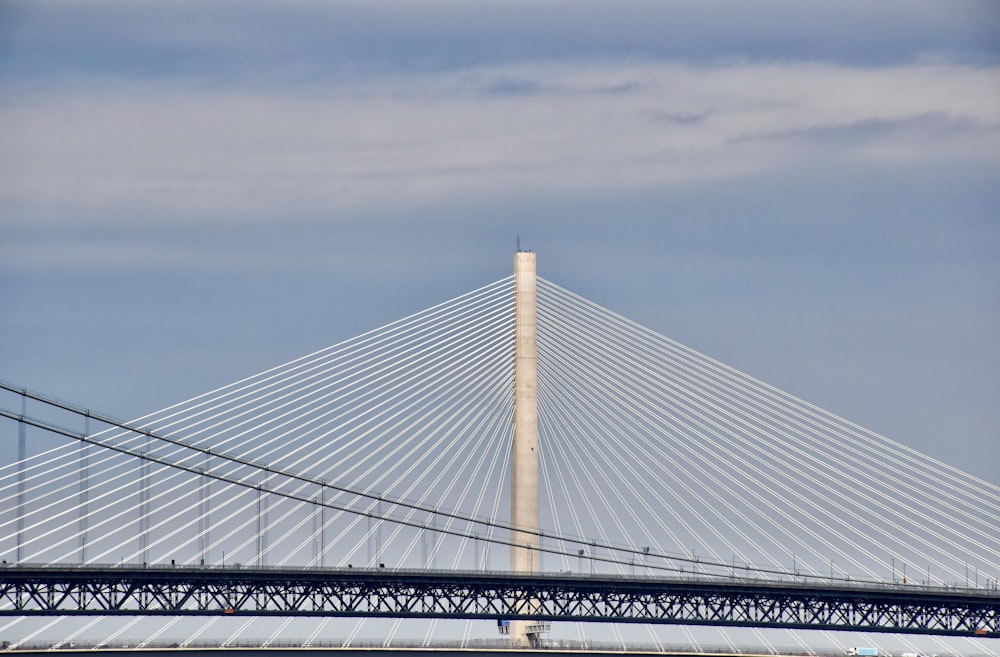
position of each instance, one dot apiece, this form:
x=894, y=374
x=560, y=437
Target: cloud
x=114, y=153
x=255, y=40
x=512, y=87
x=675, y=117
x=928, y=125
x=884, y=139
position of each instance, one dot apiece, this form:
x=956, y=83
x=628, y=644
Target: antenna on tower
x=518, y=243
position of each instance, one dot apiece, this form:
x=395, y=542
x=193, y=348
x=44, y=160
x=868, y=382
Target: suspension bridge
x=517, y=455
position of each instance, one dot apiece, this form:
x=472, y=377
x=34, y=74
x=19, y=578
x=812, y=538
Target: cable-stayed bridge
x=371, y=479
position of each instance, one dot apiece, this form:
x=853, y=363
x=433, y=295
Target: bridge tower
x=524, y=554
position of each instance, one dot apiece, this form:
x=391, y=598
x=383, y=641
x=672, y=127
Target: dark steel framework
x=205, y=591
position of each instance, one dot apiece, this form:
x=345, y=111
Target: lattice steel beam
x=205, y=591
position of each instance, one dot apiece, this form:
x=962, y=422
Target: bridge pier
x=524, y=554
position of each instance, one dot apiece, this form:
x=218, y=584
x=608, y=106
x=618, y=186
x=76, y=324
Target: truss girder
x=86, y=590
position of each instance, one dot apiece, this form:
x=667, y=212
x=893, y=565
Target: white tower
x=524, y=554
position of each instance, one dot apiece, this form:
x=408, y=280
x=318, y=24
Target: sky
x=807, y=191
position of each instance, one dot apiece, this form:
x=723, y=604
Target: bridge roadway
x=67, y=590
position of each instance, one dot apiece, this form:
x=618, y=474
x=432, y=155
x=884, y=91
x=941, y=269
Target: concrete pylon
x=524, y=554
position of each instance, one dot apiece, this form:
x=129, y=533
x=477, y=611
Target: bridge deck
x=185, y=590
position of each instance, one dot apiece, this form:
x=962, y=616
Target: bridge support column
x=524, y=554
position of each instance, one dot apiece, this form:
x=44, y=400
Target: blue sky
x=806, y=191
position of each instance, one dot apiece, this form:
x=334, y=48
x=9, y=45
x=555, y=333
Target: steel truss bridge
x=221, y=591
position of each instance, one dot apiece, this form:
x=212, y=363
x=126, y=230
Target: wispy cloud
x=282, y=44
x=892, y=139
x=929, y=125
x=180, y=149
